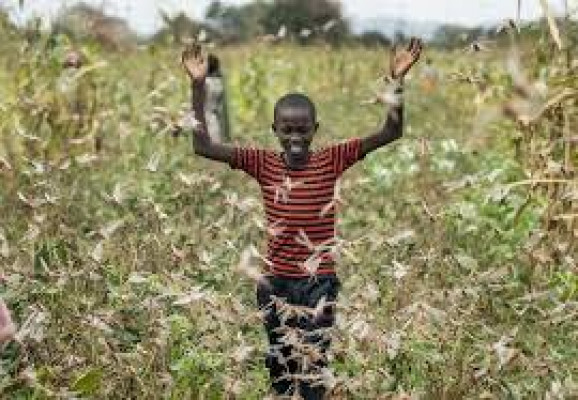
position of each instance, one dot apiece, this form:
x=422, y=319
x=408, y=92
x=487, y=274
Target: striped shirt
x=299, y=205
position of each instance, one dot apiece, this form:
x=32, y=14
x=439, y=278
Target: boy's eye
x=296, y=129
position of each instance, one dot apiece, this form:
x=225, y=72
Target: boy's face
x=73, y=61
x=295, y=128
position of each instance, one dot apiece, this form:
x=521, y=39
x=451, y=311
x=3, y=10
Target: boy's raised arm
x=392, y=129
x=196, y=66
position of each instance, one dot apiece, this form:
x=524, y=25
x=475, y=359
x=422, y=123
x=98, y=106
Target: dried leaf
x=153, y=163
x=554, y=32
x=243, y=353
x=4, y=247
x=193, y=296
x=406, y=236
x=7, y=327
x=108, y=230
x=97, y=252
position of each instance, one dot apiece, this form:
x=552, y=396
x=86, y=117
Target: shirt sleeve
x=249, y=160
x=345, y=154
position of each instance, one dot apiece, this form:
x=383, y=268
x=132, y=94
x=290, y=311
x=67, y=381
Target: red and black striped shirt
x=299, y=205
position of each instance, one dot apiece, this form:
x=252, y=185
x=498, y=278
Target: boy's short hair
x=295, y=100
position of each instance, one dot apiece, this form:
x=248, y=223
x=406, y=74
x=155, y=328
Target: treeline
x=300, y=21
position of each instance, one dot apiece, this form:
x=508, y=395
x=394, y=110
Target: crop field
x=120, y=250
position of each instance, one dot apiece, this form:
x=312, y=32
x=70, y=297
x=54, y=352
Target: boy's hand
x=402, y=61
x=7, y=328
x=194, y=62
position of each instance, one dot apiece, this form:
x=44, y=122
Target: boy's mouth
x=296, y=149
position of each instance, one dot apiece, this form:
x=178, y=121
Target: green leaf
x=89, y=382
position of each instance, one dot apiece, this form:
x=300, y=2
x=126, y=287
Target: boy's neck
x=296, y=165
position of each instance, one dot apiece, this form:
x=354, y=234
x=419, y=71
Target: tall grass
x=458, y=280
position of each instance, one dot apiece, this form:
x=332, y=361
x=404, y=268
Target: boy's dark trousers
x=286, y=361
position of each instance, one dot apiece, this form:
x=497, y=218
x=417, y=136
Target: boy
x=298, y=189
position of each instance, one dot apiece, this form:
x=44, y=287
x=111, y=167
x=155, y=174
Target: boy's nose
x=296, y=136
x=296, y=141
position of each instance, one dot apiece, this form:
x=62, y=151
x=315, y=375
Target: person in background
x=78, y=102
x=216, y=111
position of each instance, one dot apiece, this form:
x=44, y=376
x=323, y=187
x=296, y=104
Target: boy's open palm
x=194, y=62
x=401, y=61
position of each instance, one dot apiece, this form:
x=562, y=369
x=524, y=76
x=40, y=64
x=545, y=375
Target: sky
x=144, y=18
